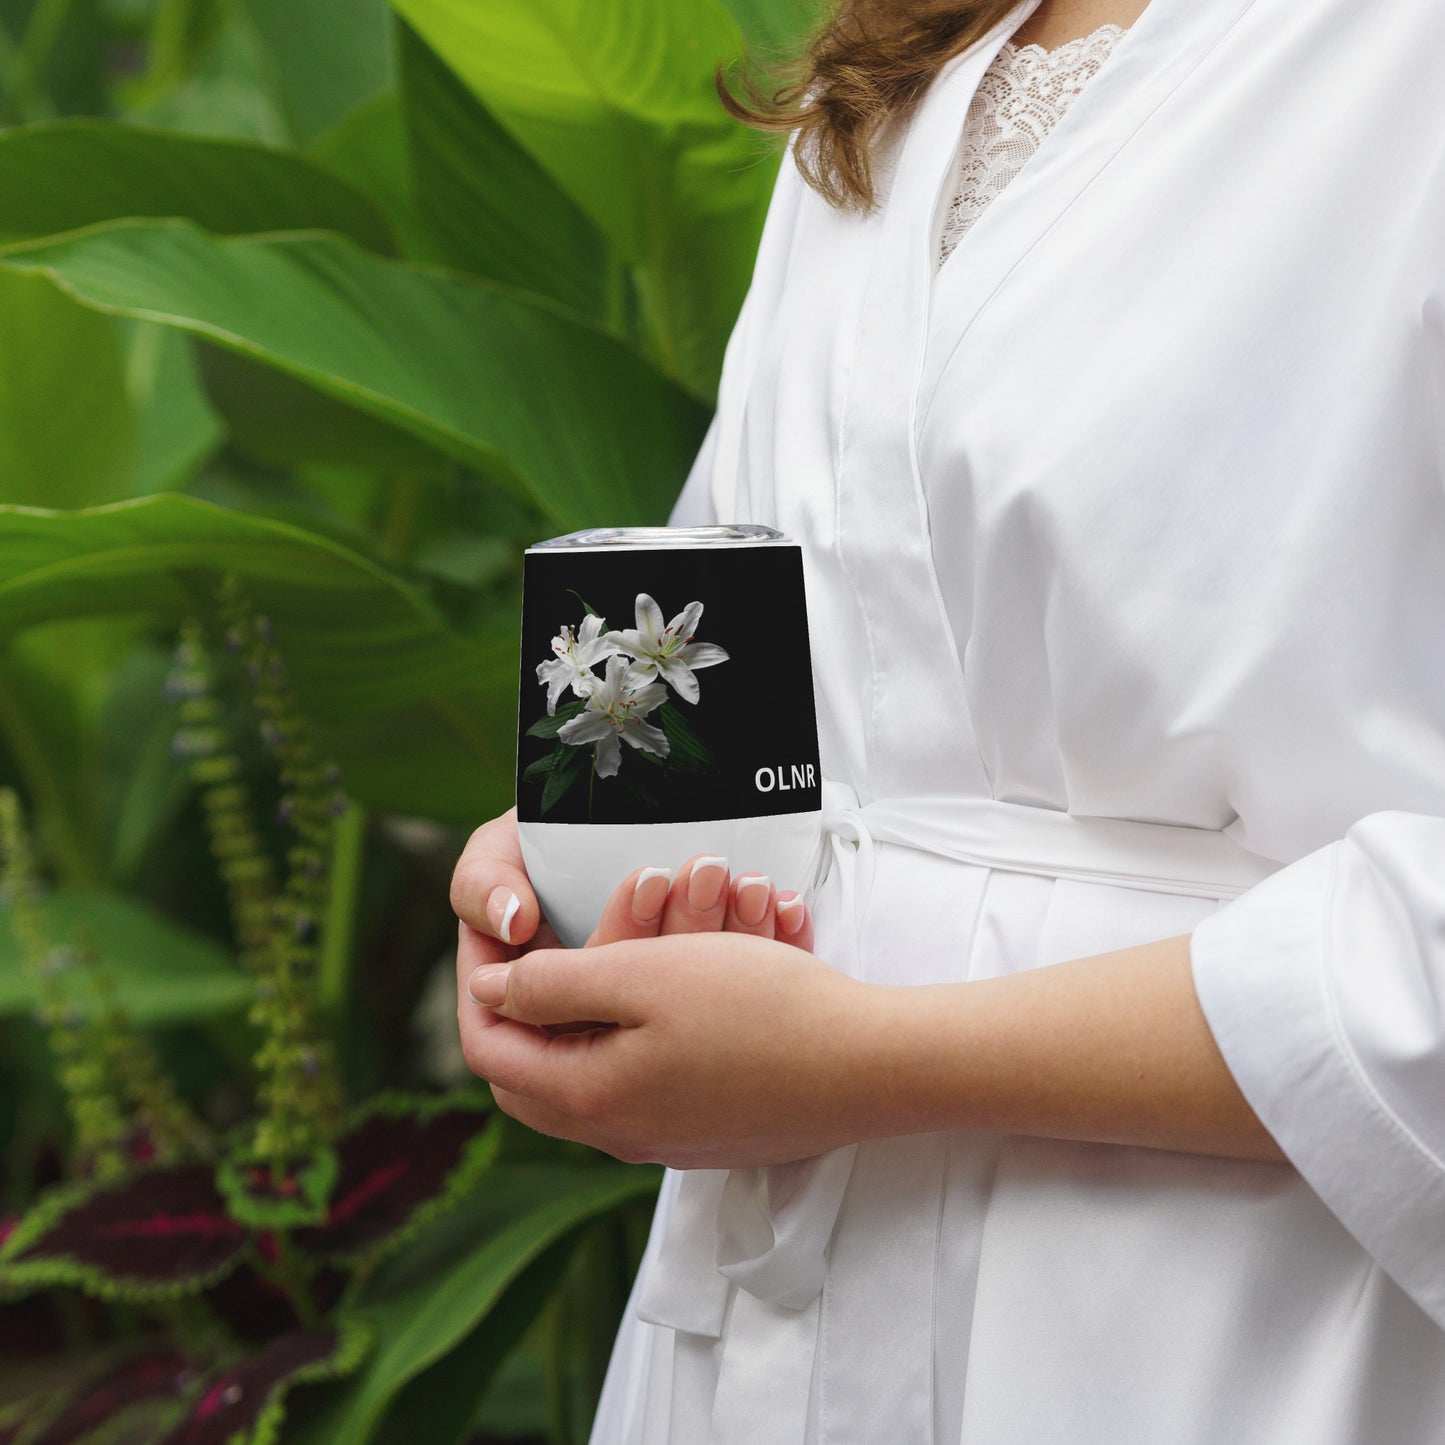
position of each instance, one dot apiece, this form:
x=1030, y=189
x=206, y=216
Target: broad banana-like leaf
x=492, y=209
x=565, y=414
x=421, y=719
x=326, y=56
x=616, y=100
x=79, y=172
x=66, y=425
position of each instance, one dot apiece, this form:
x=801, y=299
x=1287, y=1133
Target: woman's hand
x=500, y=919
x=709, y=1050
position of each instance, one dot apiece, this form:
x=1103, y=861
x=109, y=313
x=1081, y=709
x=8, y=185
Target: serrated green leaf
x=430, y=1298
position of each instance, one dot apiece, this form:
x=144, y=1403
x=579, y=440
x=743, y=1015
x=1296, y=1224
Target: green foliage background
x=351, y=301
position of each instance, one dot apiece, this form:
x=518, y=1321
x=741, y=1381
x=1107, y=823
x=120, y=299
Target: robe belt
x=767, y=1230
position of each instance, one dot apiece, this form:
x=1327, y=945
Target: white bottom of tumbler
x=575, y=867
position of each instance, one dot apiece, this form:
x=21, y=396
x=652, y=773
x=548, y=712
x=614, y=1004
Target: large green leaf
x=617, y=102
x=431, y=1299
x=556, y=408
x=775, y=29
x=326, y=56
x=176, y=427
x=162, y=973
x=368, y=147
x=493, y=210
x=66, y=429
x=75, y=173
x=421, y=719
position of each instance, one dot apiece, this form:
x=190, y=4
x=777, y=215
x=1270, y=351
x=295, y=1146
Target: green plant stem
x=288, y=1276
x=591, y=778
x=339, y=927
x=76, y=866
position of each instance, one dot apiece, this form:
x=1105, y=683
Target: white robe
x=1135, y=510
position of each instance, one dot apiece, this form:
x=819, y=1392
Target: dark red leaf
x=160, y=1374
x=164, y=1231
x=232, y=1402
x=394, y=1164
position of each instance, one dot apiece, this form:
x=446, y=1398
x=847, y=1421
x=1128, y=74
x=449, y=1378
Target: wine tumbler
x=666, y=709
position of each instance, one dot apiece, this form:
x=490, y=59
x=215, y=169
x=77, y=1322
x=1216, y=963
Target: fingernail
x=488, y=984
x=502, y=908
x=706, y=883
x=649, y=893
x=790, y=913
x=753, y=895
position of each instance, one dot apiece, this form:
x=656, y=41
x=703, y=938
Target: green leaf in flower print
x=549, y=727
x=419, y=717
x=556, y=409
x=566, y=772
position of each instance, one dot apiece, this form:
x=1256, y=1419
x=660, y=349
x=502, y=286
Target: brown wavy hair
x=865, y=68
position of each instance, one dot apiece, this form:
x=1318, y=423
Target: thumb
x=551, y=986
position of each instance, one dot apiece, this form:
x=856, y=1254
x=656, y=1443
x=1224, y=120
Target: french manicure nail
x=649, y=893
x=488, y=984
x=706, y=883
x=502, y=908
x=790, y=913
x=752, y=901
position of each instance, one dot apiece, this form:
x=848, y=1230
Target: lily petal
x=649, y=619
x=644, y=699
x=586, y=727
x=554, y=676
x=679, y=674
x=645, y=736
x=609, y=755
x=685, y=623
x=702, y=654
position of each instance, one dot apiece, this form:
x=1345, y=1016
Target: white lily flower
x=669, y=652
x=613, y=715
x=576, y=655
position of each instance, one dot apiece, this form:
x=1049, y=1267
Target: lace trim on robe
x=1019, y=100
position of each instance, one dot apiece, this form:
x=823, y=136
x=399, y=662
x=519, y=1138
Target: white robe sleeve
x=694, y=506
x=1325, y=990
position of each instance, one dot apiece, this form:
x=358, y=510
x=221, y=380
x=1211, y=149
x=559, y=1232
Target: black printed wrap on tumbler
x=666, y=710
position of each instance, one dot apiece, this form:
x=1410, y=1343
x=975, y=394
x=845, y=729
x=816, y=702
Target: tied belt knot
x=767, y=1229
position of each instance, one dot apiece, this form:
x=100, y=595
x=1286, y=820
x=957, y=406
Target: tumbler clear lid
x=729, y=534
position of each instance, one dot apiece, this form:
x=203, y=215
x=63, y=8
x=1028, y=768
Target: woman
x=1112, y=1111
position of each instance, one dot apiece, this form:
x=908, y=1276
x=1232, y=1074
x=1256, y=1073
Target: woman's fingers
x=547, y=988
x=635, y=908
x=490, y=889
x=750, y=905
x=699, y=896
x=792, y=921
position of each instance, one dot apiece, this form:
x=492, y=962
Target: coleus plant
x=242, y=1253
